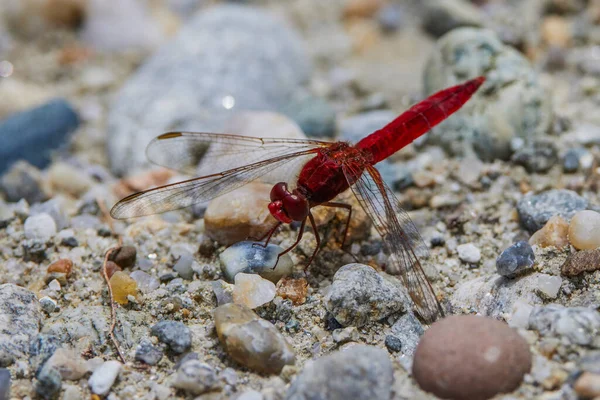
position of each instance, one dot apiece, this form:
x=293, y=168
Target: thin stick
x=113, y=310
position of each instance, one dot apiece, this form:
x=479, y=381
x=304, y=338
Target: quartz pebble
x=360, y=372
x=68, y=363
x=147, y=353
x=469, y=253
x=104, y=377
x=470, y=357
x=122, y=287
x=195, y=377
x=294, y=289
x=251, y=257
x=358, y=294
x=4, y=383
x=515, y=260
x=252, y=341
x=554, y=233
x=548, y=285
x=252, y=291
x=174, y=334
x=588, y=385
x=574, y=325
x=535, y=210
x=40, y=226
x=145, y=282
x=580, y=262
x=584, y=230
x=239, y=214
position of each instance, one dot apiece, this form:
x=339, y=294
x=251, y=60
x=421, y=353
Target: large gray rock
x=20, y=318
x=511, y=103
x=536, y=209
x=575, y=325
x=360, y=372
x=230, y=56
x=358, y=295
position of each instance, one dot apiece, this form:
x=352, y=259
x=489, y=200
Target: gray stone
x=443, y=16
x=252, y=258
x=40, y=226
x=358, y=295
x=393, y=344
x=104, y=377
x=228, y=56
x=4, y=383
x=74, y=324
x=22, y=181
x=360, y=372
x=147, y=353
x=49, y=382
x=195, y=377
x=571, y=159
x=408, y=330
x=539, y=156
x=469, y=253
x=174, y=334
x=535, y=210
x=20, y=315
x=54, y=208
x=41, y=349
x=515, y=260
x=510, y=104
x=575, y=325
x=314, y=115
x=183, y=266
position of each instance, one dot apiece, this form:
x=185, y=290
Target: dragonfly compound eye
x=296, y=206
x=277, y=211
x=279, y=191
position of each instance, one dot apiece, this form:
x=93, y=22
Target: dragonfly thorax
x=288, y=206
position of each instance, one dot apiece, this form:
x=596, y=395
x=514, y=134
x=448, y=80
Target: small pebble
x=294, y=289
x=345, y=335
x=68, y=363
x=4, y=383
x=548, y=285
x=183, y=266
x=535, y=210
x=393, y=344
x=251, y=257
x=147, y=353
x=48, y=305
x=66, y=178
x=124, y=256
x=23, y=181
x=145, y=282
x=515, y=260
x=174, y=334
x=408, y=330
x=359, y=372
x=580, y=262
x=195, y=377
x=40, y=226
x=571, y=160
x=104, y=377
x=64, y=266
x=49, y=382
x=252, y=341
x=470, y=357
x=588, y=385
x=469, y=253
x=358, y=295
x=223, y=292
x=252, y=291
x=250, y=395
x=584, y=230
x=538, y=157
x=122, y=287
x=554, y=233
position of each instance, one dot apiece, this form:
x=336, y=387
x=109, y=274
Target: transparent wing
x=197, y=190
x=203, y=154
x=399, y=234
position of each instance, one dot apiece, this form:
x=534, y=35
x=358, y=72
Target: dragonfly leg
x=347, y=207
x=317, y=238
x=267, y=235
x=300, y=233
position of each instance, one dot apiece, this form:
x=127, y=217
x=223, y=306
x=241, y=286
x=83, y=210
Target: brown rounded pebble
x=588, y=385
x=584, y=230
x=111, y=268
x=124, y=256
x=554, y=233
x=62, y=266
x=470, y=357
x=580, y=262
x=293, y=289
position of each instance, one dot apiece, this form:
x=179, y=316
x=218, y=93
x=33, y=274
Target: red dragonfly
x=325, y=170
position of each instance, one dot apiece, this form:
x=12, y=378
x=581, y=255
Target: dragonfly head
x=287, y=206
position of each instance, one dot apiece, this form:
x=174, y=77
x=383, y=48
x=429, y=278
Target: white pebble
x=469, y=253
x=549, y=285
x=584, y=230
x=104, y=377
x=252, y=291
x=520, y=315
x=40, y=226
x=251, y=395
x=54, y=285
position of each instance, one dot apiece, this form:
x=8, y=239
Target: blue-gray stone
x=535, y=210
x=571, y=160
x=515, y=260
x=539, y=156
x=183, y=266
x=174, y=334
x=252, y=258
x=41, y=349
x=147, y=353
x=49, y=382
x=22, y=181
x=408, y=330
x=4, y=383
x=314, y=115
x=393, y=343
x=225, y=54
x=31, y=135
